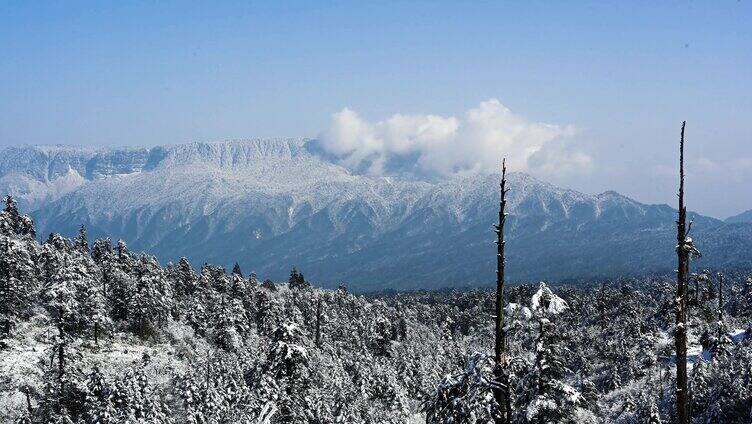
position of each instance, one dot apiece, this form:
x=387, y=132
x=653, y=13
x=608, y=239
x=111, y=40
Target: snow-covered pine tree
x=152, y=300
x=543, y=396
x=297, y=280
x=18, y=251
x=236, y=270
x=141, y=401
x=13, y=223
x=124, y=260
x=17, y=282
x=99, y=407
x=465, y=397
x=82, y=241
x=183, y=278
x=288, y=363
x=102, y=255
x=101, y=251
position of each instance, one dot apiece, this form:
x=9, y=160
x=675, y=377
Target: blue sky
x=623, y=74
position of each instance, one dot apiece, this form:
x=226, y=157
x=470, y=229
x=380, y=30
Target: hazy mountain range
x=274, y=204
x=742, y=217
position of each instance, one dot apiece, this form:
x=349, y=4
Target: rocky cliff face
x=272, y=204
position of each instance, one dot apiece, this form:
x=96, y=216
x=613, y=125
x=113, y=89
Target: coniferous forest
x=94, y=333
x=91, y=332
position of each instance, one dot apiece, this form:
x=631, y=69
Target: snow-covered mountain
x=272, y=204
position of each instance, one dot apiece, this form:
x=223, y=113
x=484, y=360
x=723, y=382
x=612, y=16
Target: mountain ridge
x=744, y=217
x=274, y=204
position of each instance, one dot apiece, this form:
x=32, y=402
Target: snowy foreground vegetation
x=94, y=333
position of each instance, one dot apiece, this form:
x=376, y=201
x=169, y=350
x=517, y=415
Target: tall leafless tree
x=318, y=322
x=680, y=337
x=501, y=390
x=720, y=306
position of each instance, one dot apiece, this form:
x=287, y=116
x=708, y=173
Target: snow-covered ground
x=28, y=356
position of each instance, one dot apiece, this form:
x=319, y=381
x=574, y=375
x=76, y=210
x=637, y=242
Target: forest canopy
x=91, y=332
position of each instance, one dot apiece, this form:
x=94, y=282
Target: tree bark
x=720, y=297
x=28, y=402
x=501, y=393
x=720, y=307
x=682, y=395
x=318, y=323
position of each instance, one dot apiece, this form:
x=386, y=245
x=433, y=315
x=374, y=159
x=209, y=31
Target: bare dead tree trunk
x=208, y=376
x=501, y=393
x=682, y=251
x=697, y=291
x=28, y=402
x=720, y=306
x=60, y=366
x=602, y=306
x=318, y=323
x=720, y=297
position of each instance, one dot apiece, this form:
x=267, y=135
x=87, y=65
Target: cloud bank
x=436, y=145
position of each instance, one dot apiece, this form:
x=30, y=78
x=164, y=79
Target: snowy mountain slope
x=272, y=204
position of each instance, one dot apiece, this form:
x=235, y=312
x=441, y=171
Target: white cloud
x=435, y=145
x=737, y=169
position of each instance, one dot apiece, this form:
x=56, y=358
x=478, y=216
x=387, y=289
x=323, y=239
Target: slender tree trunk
x=682, y=395
x=61, y=360
x=60, y=367
x=28, y=402
x=96, y=333
x=501, y=394
x=208, y=380
x=602, y=306
x=697, y=291
x=318, y=323
x=720, y=297
x=720, y=306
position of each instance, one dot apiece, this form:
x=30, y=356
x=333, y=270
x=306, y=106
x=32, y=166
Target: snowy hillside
x=272, y=204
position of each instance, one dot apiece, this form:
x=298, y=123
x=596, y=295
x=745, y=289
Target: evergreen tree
x=542, y=394
x=269, y=285
x=655, y=416
x=140, y=401
x=103, y=256
x=236, y=270
x=464, y=397
x=82, y=242
x=124, y=260
x=288, y=363
x=17, y=282
x=151, y=302
x=12, y=223
x=101, y=251
x=184, y=279
x=120, y=293
x=99, y=400
x=297, y=280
